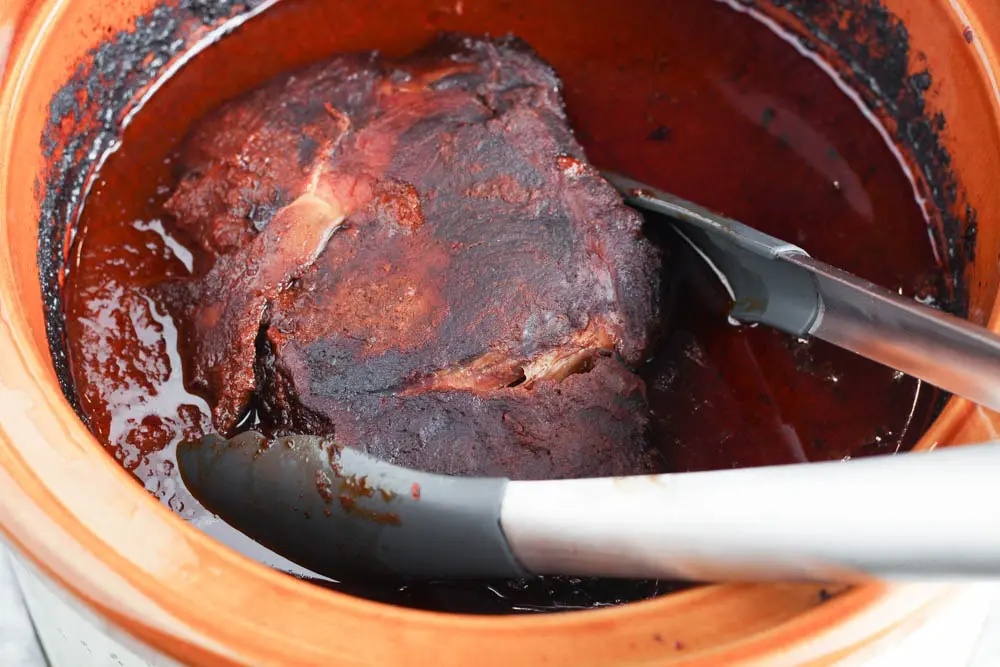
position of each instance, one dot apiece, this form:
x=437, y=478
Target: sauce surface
x=715, y=108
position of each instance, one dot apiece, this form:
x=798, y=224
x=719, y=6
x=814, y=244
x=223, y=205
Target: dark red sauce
x=716, y=108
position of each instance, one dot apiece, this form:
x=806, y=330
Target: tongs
x=776, y=283
x=340, y=512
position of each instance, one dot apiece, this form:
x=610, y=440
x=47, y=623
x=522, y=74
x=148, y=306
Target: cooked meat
x=415, y=256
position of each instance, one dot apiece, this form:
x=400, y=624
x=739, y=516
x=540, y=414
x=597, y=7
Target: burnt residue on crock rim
x=85, y=117
x=85, y=120
x=872, y=47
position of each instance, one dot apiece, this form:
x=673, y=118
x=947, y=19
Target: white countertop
x=18, y=644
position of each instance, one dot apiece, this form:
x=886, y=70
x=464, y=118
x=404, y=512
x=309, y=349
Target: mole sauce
x=715, y=108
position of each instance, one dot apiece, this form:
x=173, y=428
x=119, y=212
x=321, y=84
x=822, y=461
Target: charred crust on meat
x=486, y=294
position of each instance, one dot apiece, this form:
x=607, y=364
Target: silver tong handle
x=911, y=516
x=946, y=351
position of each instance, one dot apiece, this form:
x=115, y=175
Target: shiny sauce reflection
x=716, y=108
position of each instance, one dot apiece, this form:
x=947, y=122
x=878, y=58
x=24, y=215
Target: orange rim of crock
x=83, y=522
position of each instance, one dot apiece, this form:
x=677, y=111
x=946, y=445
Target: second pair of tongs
x=776, y=283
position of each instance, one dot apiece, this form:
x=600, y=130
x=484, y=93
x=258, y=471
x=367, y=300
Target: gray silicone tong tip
x=340, y=512
x=763, y=290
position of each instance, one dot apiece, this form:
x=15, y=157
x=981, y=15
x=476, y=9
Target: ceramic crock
x=113, y=577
